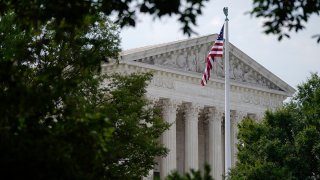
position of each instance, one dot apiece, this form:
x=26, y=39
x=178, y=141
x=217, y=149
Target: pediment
x=189, y=56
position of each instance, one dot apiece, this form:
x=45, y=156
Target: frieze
x=263, y=101
x=162, y=82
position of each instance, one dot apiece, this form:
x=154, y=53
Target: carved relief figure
x=160, y=60
x=248, y=75
x=254, y=75
x=219, y=67
x=238, y=73
x=201, y=59
x=151, y=60
x=264, y=82
x=261, y=81
x=267, y=83
x=181, y=60
x=170, y=61
x=191, y=61
x=232, y=67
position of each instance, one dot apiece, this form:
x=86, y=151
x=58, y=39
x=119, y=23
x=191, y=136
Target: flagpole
x=227, y=141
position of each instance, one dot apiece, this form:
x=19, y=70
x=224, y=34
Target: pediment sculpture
x=192, y=59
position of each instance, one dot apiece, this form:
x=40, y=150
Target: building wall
x=197, y=115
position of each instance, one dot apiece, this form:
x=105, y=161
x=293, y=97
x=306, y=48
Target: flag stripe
x=217, y=48
x=215, y=51
x=219, y=43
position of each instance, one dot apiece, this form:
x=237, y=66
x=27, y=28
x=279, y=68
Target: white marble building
x=197, y=113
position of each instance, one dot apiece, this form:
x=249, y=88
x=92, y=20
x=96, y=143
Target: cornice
x=166, y=48
x=190, y=77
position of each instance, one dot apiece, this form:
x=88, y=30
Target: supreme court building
x=195, y=112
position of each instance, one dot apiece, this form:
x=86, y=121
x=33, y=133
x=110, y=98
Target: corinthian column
x=191, y=137
x=169, y=163
x=236, y=117
x=215, y=143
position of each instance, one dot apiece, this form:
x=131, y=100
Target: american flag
x=216, y=51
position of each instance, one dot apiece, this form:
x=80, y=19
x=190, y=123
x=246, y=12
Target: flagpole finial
x=225, y=11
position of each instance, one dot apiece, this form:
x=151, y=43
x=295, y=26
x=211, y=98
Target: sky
x=292, y=60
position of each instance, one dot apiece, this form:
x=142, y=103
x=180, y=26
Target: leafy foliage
x=193, y=175
x=282, y=16
x=72, y=13
x=137, y=129
x=286, y=144
x=57, y=122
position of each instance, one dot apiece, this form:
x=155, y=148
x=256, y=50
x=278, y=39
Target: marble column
x=191, y=137
x=236, y=117
x=169, y=163
x=215, y=142
x=149, y=176
x=152, y=102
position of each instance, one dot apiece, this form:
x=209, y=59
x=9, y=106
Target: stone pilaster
x=191, y=137
x=169, y=163
x=215, y=142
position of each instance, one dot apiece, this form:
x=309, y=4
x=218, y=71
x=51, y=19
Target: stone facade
x=195, y=112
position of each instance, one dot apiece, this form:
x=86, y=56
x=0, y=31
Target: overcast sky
x=292, y=59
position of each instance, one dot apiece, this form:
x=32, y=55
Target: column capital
x=240, y=115
x=215, y=114
x=153, y=99
x=169, y=105
x=191, y=110
x=192, y=106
